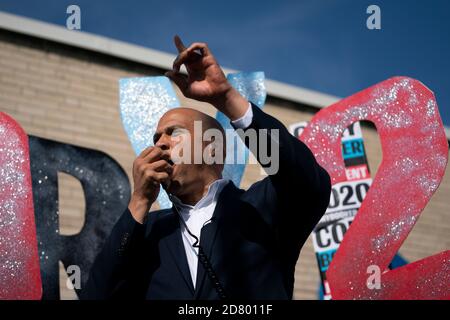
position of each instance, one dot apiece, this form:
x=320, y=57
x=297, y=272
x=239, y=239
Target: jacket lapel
x=208, y=235
x=174, y=242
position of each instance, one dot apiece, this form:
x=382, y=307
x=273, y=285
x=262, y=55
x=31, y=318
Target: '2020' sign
x=414, y=145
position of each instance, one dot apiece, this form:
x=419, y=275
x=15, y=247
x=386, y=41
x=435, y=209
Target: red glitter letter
x=415, y=152
x=19, y=261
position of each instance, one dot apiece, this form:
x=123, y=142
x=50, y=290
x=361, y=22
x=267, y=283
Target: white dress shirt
x=199, y=215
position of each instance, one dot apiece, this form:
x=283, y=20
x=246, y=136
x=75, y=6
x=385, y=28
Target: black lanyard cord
x=203, y=258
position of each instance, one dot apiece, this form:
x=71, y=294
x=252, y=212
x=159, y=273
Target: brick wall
x=71, y=95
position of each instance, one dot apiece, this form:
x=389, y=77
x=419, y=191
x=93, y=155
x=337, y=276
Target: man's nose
x=163, y=142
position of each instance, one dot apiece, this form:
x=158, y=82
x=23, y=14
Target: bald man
x=217, y=241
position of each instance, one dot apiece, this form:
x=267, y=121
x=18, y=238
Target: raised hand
x=205, y=80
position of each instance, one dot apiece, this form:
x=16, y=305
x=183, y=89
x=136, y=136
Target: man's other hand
x=150, y=170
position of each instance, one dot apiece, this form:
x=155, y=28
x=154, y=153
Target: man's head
x=196, y=145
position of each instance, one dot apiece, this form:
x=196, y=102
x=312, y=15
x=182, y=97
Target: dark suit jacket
x=253, y=241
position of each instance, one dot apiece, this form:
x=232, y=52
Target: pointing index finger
x=179, y=44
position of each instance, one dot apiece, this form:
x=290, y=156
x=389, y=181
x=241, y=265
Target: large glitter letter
x=106, y=191
x=142, y=103
x=19, y=261
x=251, y=86
x=415, y=152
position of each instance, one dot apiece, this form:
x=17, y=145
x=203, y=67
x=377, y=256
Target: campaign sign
x=346, y=198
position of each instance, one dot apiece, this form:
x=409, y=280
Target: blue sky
x=322, y=45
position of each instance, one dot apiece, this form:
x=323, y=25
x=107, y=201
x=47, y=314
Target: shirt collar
x=211, y=196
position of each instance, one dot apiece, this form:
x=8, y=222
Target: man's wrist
x=245, y=121
x=139, y=207
x=232, y=104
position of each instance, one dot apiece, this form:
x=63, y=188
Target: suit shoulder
x=262, y=196
x=262, y=188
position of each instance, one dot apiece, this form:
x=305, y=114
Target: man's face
x=176, y=128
